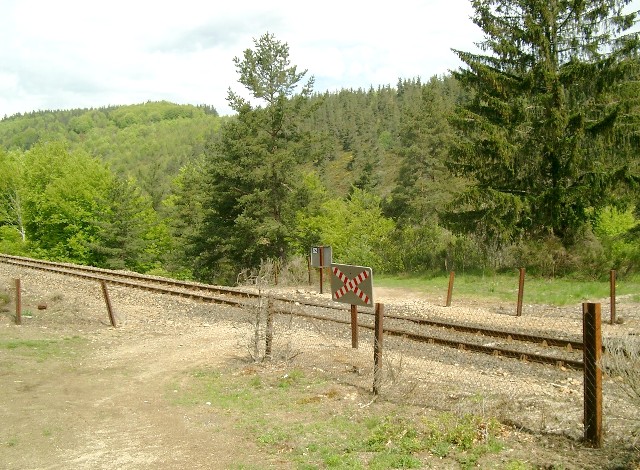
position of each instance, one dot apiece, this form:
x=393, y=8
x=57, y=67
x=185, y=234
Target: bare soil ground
x=76, y=393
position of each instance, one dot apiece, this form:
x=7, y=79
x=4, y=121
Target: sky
x=68, y=54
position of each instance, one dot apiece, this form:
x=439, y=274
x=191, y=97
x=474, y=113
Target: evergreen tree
x=254, y=168
x=424, y=186
x=546, y=133
x=129, y=233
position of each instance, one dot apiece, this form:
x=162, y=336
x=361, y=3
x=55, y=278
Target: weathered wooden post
x=452, y=275
x=377, y=348
x=354, y=326
x=107, y=300
x=269, y=330
x=18, y=303
x=612, y=291
x=592, y=352
x=520, y=292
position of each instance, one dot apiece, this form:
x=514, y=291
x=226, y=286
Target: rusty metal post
x=18, y=303
x=107, y=300
x=377, y=348
x=612, y=291
x=520, y=292
x=452, y=276
x=269, y=330
x=309, y=268
x=354, y=326
x=592, y=353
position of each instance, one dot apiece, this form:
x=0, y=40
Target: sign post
x=321, y=258
x=352, y=285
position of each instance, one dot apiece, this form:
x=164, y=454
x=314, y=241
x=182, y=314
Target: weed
x=299, y=417
x=517, y=465
x=622, y=360
x=291, y=378
x=41, y=349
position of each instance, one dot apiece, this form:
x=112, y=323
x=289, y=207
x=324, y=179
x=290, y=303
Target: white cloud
x=74, y=53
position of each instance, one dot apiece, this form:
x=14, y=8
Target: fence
x=548, y=398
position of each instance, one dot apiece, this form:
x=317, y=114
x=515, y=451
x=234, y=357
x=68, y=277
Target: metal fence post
x=592, y=353
x=377, y=349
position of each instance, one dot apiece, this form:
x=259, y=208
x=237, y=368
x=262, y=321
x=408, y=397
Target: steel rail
x=458, y=344
x=89, y=272
x=58, y=268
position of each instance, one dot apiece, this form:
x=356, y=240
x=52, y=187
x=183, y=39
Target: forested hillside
x=518, y=159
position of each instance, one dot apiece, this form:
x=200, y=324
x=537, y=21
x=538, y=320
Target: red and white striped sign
x=351, y=285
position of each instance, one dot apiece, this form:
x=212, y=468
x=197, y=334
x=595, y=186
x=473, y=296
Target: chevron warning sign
x=352, y=284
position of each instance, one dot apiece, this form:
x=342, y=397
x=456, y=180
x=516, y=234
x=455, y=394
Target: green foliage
x=254, y=168
x=149, y=141
x=548, y=130
x=616, y=231
x=129, y=232
x=183, y=213
x=63, y=193
x=13, y=194
x=355, y=229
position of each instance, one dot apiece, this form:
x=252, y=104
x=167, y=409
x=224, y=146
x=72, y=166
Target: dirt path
x=106, y=403
x=78, y=394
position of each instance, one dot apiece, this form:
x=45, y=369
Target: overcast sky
x=68, y=54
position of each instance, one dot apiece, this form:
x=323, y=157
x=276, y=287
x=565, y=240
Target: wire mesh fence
x=441, y=370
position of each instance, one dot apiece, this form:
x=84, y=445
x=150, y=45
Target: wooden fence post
x=592, y=353
x=107, y=300
x=269, y=330
x=377, y=349
x=354, y=326
x=18, y=303
x=452, y=275
x=520, y=293
x=612, y=291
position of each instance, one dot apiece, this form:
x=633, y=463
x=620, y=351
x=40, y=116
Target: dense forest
x=526, y=156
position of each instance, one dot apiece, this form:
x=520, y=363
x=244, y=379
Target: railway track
x=472, y=338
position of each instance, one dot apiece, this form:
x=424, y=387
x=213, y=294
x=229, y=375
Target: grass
x=307, y=420
x=41, y=349
x=505, y=287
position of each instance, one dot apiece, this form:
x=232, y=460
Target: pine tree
x=547, y=132
x=254, y=168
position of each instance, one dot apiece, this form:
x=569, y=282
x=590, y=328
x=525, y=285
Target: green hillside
x=483, y=170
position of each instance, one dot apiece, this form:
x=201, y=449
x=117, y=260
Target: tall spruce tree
x=254, y=175
x=547, y=134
